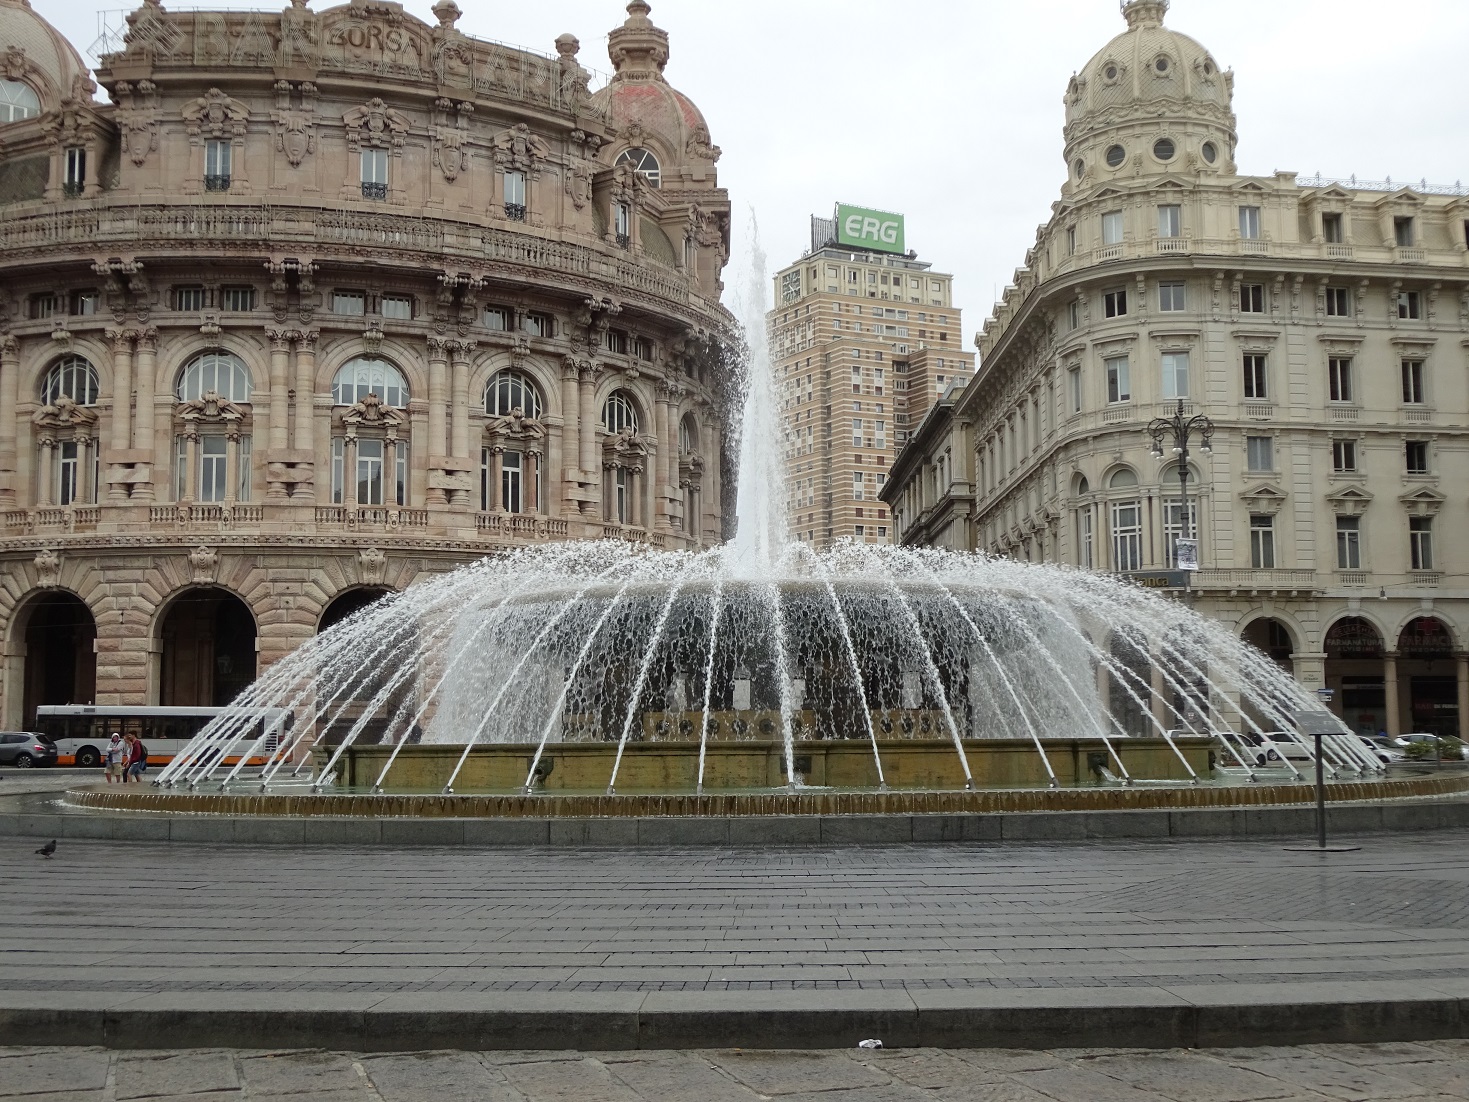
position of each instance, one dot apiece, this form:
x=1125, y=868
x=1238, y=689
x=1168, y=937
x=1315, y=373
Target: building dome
x=1152, y=100
x=647, y=112
x=35, y=54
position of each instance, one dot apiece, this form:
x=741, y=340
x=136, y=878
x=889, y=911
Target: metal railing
x=515, y=212
x=216, y=183
x=374, y=191
x=1423, y=187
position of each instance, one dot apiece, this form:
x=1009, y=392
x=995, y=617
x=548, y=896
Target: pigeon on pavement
x=48, y=849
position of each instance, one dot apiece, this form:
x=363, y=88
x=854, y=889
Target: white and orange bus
x=81, y=731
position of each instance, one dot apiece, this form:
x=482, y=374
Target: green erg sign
x=870, y=229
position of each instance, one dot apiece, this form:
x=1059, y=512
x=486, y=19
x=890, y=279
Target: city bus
x=82, y=731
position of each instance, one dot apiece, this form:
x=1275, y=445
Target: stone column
x=661, y=486
x=280, y=352
x=191, y=465
x=349, y=472
x=1161, y=712
x=587, y=428
x=565, y=448
x=145, y=368
x=460, y=352
x=46, y=474
x=305, y=437
x=438, y=408
x=91, y=181
x=9, y=399
x=1461, y=661
x=122, y=402
x=390, y=472
x=231, y=468
x=1390, y=687
x=496, y=498
x=530, y=475
x=87, y=468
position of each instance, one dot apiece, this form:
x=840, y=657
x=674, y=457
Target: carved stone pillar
x=496, y=498
x=145, y=368
x=459, y=397
x=231, y=467
x=1461, y=662
x=566, y=451
x=305, y=391
x=1390, y=693
x=349, y=471
x=390, y=471
x=122, y=387
x=9, y=398
x=191, y=465
x=587, y=426
x=662, y=482
x=438, y=396
x=46, y=473
x=280, y=356
x=530, y=476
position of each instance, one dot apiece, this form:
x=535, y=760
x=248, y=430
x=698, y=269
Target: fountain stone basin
x=673, y=767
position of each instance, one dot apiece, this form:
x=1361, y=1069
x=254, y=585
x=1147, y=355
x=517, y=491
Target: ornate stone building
x=323, y=300
x=1322, y=325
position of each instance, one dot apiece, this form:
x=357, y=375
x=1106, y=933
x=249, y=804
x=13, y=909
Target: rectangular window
x=68, y=472
x=1249, y=223
x=856, y=433
x=1402, y=231
x=1073, y=315
x=41, y=306
x=497, y=318
x=76, y=172
x=1413, y=383
x=218, y=157
x=1086, y=554
x=511, y=475
x=397, y=307
x=1252, y=298
x=1262, y=541
x=1420, y=539
x=1073, y=383
x=189, y=299
x=881, y=433
x=338, y=450
x=351, y=303
x=1119, y=383
x=1070, y=240
x=1338, y=302
x=539, y=325
x=1114, y=303
x=1256, y=383
x=84, y=303
x=1339, y=378
x=1172, y=297
x=1260, y=453
x=1170, y=220
x=1349, y=543
x=1112, y=228
x=859, y=483
x=1127, y=535
x=616, y=341
x=213, y=460
x=1175, y=374
x=1331, y=229
x=515, y=196
x=1415, y=455
x=244, y=468
x=1410, y=305
x=622, y=223
x=642, y=348
x=1178, y=523
x=1344, y=456
x=369, y=471
x=237, y=300
x=374, y=174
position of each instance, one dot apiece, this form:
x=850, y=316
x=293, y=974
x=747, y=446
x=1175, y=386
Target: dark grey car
x=24, y=749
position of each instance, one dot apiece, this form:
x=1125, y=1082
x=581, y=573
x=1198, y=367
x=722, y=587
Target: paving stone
x=929, y=1068
x=314, y=1073
x=160, y=1074
x=56, y=1071
x=1189, y=1078
x=1075, y=1083
x=996, y=1062
x=676, y=1077
x=1311, y=1070
x=582, y=1080
x=792, y=1072
x=437, y=1077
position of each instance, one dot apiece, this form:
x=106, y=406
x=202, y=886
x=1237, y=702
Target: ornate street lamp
x=1179, y=429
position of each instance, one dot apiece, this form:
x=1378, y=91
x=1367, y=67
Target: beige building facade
x=862, y=344
x=1322, y=326
x=321, y=301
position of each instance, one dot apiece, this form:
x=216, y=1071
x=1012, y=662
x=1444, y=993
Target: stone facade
x=322, y=301
x=1323, y=326
x=862, y=343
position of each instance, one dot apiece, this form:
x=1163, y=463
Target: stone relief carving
x=137, y=119
x=372, y=566
x=376, y=124
x=48, y=567
x=295, y=127
x=205, y=564
x=700, y=146
x=217, y=115
x=517, y=149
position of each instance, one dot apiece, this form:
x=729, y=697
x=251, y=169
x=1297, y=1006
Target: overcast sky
x=949, y=111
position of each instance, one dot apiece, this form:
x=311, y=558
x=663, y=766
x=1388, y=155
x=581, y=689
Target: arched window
x=1083, y=487
x=511, y=390
x=369, y=375
x=688, y=435
x=214, y=373
x=644, y=163
x=619, y=413
x=19, y=101
x=72, y=378
x=1123, y=480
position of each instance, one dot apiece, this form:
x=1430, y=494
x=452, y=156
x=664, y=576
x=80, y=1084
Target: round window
x=1163, y=149
x=1111, y=72
x=1161, y=65
x=1211, y=152
x=1080, y=167
x=1115, y=156
x=1208, y=68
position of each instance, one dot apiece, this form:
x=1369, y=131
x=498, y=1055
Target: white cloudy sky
x=950, y=110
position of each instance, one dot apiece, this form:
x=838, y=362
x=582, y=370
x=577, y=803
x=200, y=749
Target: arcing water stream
x=762, y=639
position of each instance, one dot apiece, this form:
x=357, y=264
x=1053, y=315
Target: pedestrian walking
x=137, y=759
x=116, y=759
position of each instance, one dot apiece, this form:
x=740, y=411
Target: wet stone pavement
x=1431, y=1071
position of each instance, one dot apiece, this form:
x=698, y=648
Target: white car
x=1383, y=748
x=1276, y=748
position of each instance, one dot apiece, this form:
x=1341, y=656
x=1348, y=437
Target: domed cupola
x=39, y=69
x=660, y=132
x=1151, y=101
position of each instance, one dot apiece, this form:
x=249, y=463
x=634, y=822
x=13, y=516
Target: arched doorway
x=1274, y=639
x=345, y=604
x=208, y=638
x=1427, y=677
x=1354, y=673
x=60, y=654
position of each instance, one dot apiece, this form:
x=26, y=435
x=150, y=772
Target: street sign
x=861, y=228
x=1187, y=552
x=1325, y=695
x=1316, y=723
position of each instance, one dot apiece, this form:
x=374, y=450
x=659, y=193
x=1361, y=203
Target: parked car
x=1437, y=746
x=1274, y=748
x=1386, y=750
x=24, y=749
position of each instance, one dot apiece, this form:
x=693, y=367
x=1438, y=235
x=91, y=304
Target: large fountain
x=760, y=666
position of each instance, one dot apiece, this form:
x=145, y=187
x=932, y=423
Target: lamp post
x=1180, y=429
